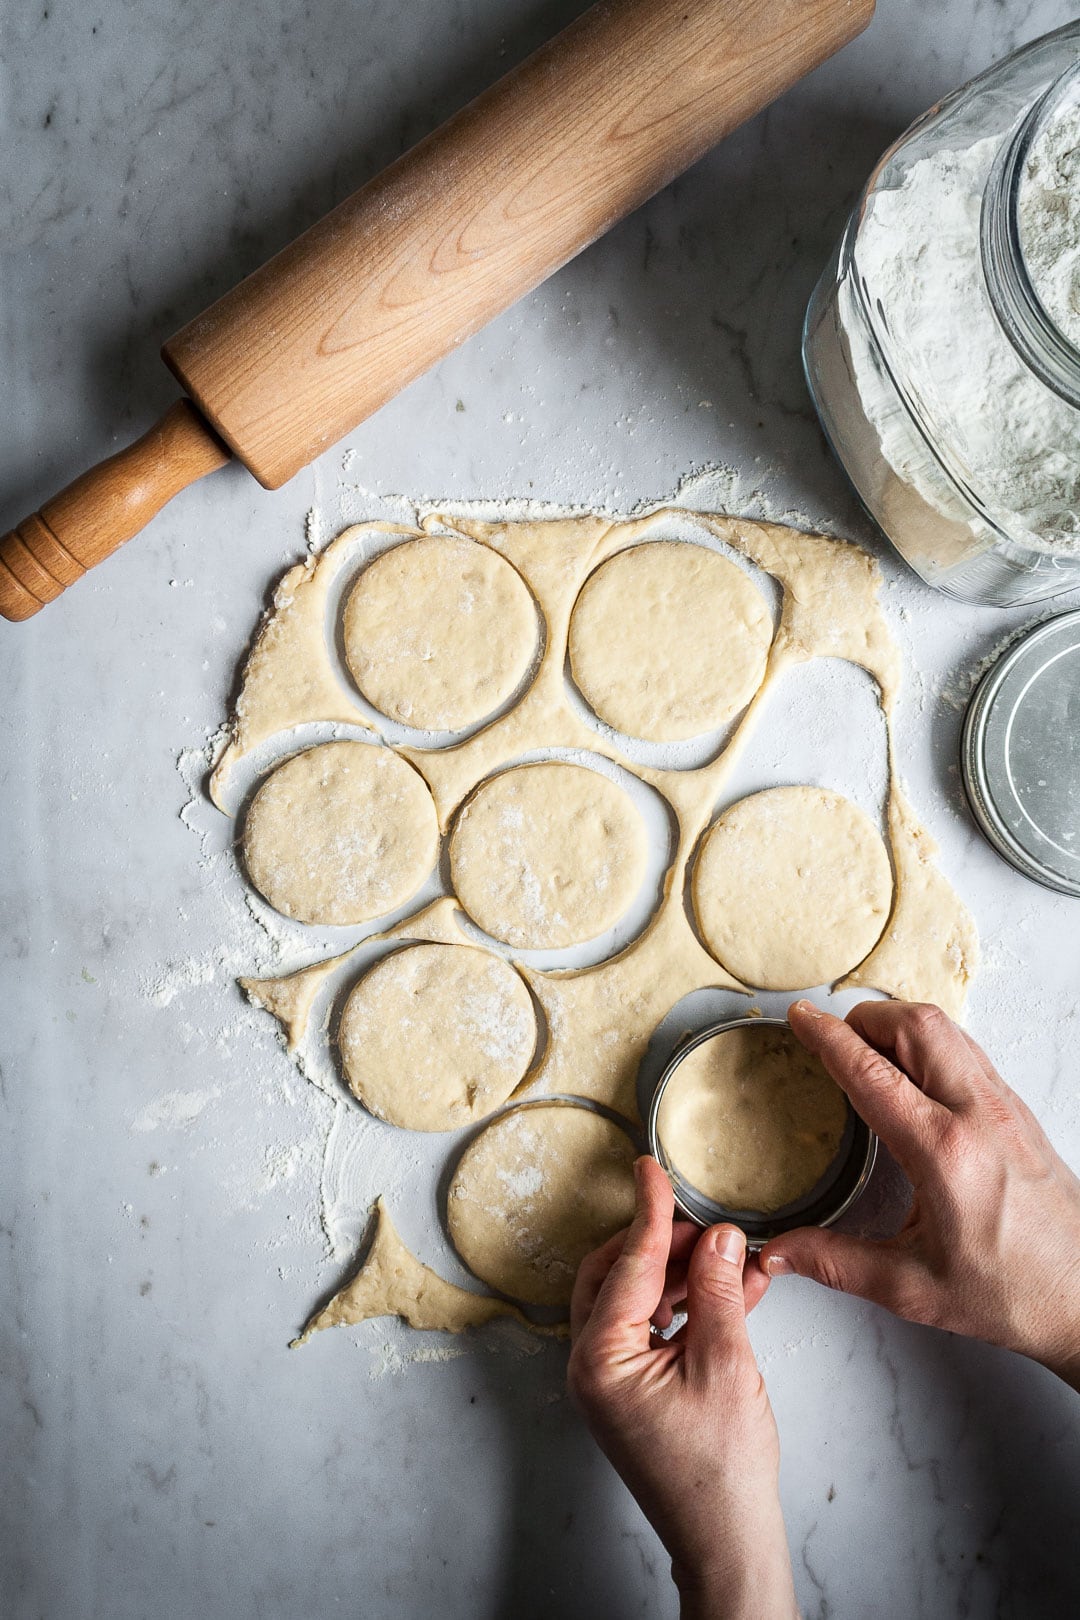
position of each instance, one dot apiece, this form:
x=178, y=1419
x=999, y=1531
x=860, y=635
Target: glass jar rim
x=1024, y=318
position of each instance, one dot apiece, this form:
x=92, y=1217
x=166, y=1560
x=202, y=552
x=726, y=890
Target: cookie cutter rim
x=847, y=1175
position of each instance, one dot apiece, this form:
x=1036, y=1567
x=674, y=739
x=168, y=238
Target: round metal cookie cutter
x=830, y=1198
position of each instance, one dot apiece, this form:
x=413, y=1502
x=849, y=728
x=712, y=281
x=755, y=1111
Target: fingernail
x=637, y=1173
x=807, y=1009
x=776, y=1265
x=729, y=1244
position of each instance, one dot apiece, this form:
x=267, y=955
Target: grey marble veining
x=164, y=1452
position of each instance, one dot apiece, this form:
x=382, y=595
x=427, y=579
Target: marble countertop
x=160, y=1161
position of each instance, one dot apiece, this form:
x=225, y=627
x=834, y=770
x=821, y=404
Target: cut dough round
x=437, y=1036
x=439, y=632
x=751, y=1119
x=340, y=833
x=792, y=888
x=536, y=1191
x=669, y=640
x=548, y=855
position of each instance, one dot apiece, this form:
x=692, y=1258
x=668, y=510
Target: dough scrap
x=340, y=833
x=537, y=1190
x=792, y=887
x=669, y=640
x=289, y=679
x=393, y=1282
x=434, y=1037
x=547, y=855
x=291, y=998
x=439, y=632
x=930, y=948
x=751, y=1119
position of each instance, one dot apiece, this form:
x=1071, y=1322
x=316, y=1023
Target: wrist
x=740, y=1586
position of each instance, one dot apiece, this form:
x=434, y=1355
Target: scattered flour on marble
x=174, y=1110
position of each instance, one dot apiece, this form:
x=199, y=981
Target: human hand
x=991, y=1244
x=686, y=1422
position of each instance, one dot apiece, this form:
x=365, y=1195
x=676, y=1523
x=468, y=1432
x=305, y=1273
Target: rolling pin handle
x=88, y=520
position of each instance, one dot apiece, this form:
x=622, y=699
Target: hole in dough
x=548, y=855
x=539, y=1188
x=669, y=640
x=340, y=834
x=792, y=888
x=751, y=1119
x=434, y=1037
x=439, y=632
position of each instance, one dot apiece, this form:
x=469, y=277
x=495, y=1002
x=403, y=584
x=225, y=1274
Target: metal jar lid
x=1020, y=754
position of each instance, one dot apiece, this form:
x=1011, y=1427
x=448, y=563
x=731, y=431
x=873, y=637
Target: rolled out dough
x=669, y=640
x=439, y=632
x=536, y=1191
x=792, y=888
x=547, y=855
x=598, y=1021
x=434, y=1037
x=340, y=833
x=751, y=1119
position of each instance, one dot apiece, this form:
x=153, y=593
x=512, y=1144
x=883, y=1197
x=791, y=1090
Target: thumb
x=715, y=1307
x=851, y=1265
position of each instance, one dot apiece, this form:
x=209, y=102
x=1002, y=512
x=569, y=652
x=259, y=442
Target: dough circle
x=538, y=1189
x=439, y=632
x=547, y=855
x=751, y=1119
x=669, y=640
x=436, y=1036
x=340, y=833
x=792, y=888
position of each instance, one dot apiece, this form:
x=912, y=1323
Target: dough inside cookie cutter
x=831, y=1196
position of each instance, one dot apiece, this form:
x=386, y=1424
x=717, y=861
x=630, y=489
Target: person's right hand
x=991, y=1244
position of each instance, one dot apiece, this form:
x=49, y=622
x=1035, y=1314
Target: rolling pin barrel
x=448, y=237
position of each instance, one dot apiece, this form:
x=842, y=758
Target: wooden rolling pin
x=445, y=239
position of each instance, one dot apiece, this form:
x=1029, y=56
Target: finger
x=891, y=1105
x=755, y=1283
x=632, y=1289
x=714, y=1300
x=924, y=1042
x=683, y=1239
x=589, y=1280
x=984, y=1062
x=851, y=1265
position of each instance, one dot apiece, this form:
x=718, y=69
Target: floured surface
x=598, y=1019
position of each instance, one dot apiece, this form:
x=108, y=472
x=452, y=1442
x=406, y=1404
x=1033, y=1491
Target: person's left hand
x=686, y=1422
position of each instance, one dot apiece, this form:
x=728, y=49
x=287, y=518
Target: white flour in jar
x=1002, y=433
x=1049, y=216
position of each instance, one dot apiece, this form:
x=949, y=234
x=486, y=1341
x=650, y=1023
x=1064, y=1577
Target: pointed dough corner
x=290, y=999
x=393, y=1282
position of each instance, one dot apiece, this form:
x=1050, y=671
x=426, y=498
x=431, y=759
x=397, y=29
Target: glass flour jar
x=942, y=343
